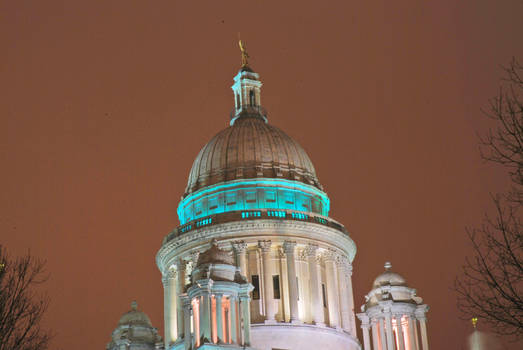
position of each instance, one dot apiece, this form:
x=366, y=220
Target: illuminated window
x=255, y=280
x=276, y=286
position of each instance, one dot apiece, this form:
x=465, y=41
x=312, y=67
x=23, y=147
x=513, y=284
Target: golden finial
x=474, y=322
x=245, y=55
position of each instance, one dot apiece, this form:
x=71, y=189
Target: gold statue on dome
x=245, y=55
x=474, y=322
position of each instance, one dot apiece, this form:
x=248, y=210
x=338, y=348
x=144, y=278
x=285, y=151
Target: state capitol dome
x=251, y=148
x=250, y=165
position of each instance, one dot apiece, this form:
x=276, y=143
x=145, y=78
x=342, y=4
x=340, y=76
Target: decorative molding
x=314, y=233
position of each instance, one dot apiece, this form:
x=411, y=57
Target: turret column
x=412, y=333
x=399, y=329
x=375, y=335
x=187, y=320
x=391, y=344
x=246, y=318
x=219, y=317
x=365, y=328
x=234, y=319
x=420, y=315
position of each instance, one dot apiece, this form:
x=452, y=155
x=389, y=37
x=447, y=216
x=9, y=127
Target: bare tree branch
x=491, y=284
x=21, y=308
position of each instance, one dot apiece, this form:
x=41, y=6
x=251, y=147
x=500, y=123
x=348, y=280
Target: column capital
x=239, y=246
x=265, y=246
x=194, y=256
x=344, y=263
x=302, y=255
x=330, y=255
x=311, y=250
x=170, y=275
x=289, y=247
x=420, y=312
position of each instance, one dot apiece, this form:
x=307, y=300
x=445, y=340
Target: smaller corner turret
x=135, y=332
x=218, y=300
x=393, y=316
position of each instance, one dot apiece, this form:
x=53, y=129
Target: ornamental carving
x=239, y=246
x=265, y=246
x=288, y=247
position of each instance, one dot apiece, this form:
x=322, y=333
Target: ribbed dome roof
x=389, y=278
x=135, y=317
x=250, y=148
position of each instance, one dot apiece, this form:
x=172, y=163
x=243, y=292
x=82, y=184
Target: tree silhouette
x=21, y=307
x=491, y=285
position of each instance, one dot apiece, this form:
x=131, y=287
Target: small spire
x=388, y=266
x=474, y=322
x=134, y=305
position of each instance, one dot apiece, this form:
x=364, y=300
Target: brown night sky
x=105, y=104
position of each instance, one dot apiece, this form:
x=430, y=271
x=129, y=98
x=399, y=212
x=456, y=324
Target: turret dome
x=389, y=278
x=135, y=317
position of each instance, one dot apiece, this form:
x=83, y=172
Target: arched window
x=251, y=98
x=237, y=101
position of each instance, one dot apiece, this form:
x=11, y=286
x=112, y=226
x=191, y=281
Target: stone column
x=416, y=332
x=383, y=340
x=391, y=344
x=270, y=311
x=246, y=318
x=180, y=289
x=219, y=318
x=170, y=307
x=240, y=249
x=289, y=248
x=365, y=330
x=412, y=333
x=375, y=335
x=344, y=271
x=423, y=330
x=316, y=301
x=366, y=338
x=332, y=293
x=399, y=329
x=205, y=310
x=234, y=319
x=187, y=321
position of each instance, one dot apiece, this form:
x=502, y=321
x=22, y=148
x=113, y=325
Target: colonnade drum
x=301, y=293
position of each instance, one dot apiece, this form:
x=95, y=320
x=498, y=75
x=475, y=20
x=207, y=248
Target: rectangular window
x=256, y=283
x=323, y=294
x=276, y=286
